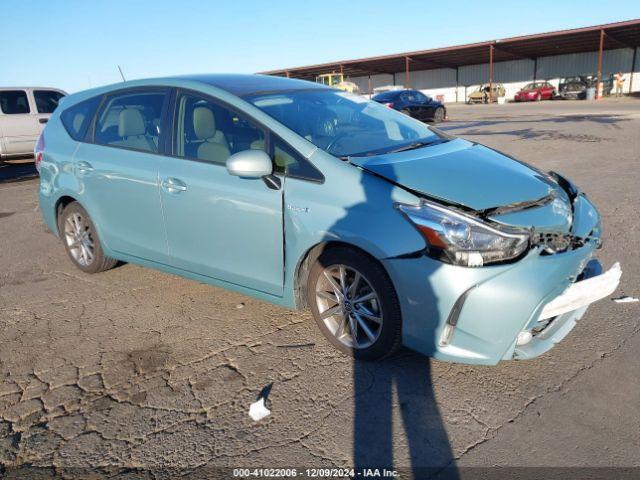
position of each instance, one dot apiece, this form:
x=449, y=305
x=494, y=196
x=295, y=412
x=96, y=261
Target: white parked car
x=23, y=114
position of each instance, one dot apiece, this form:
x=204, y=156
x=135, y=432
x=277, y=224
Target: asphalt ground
x=137, y=373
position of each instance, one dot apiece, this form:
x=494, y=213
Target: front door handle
x=173, y=185
x=84, y=168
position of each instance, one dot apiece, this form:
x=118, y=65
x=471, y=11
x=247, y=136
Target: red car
x=535, y=91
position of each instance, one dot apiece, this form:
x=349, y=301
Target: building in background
x=450, y=74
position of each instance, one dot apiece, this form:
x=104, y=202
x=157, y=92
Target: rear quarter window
x=13, y=102
x=77, y=118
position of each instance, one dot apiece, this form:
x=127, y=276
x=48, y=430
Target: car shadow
x=397, y=390
x=17, y=171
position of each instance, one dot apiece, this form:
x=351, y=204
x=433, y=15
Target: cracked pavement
x=140, y=369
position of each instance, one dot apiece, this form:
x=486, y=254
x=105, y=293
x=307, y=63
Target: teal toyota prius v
x=391, y=232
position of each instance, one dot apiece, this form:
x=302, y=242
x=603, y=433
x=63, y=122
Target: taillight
x=390, y=104
x=39, y=150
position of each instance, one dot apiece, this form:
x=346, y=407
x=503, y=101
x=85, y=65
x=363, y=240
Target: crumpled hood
x=463, y=173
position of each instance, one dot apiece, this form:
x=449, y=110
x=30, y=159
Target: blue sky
x=75, y=44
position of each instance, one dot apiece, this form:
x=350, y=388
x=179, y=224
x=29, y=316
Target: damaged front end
x=515, y=307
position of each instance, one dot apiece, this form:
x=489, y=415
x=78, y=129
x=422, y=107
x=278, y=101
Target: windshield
x=343, y=124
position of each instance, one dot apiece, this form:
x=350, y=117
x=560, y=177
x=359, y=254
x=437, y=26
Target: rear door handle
x=173, y=185
x=84, y=168
x=43, y=120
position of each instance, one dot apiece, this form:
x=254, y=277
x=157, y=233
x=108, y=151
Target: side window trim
x=169, y=142
x=91, y=131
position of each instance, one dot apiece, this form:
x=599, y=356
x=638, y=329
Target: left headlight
x=461, y=239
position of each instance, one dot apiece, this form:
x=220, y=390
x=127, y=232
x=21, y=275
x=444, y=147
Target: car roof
x=243, y=85
x=391, y=93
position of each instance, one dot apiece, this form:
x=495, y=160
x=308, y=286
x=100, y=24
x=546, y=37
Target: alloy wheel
x=79, y=239
x=349, y=306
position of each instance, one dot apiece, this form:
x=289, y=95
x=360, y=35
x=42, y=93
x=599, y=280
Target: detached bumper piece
x=559, y=316
x=583, y=293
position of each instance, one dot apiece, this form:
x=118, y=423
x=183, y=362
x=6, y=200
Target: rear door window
x=131, y=120
x=13, y=102
x=47, y=100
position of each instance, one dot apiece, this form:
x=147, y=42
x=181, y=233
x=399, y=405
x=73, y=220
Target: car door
x=218, y=225
x=45, y=102
x=548, y=91
x=426, y=106
x=117, y=170
x=18, y=124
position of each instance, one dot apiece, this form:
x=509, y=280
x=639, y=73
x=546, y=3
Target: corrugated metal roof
x=577, y=40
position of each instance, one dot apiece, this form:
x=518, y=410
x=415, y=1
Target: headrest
x=78, y=118
x=204, y=123
x=130, y=123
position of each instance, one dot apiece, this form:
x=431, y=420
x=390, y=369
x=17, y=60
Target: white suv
x=23, y=113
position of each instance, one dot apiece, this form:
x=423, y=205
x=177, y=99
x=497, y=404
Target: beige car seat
x=214, y=148
x=132, y=131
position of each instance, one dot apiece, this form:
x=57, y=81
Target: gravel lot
x=140, y=369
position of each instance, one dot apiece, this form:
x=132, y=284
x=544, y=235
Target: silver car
x=23, y=113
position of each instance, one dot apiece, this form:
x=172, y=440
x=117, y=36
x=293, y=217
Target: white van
x=23, y=113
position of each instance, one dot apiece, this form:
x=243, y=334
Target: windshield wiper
x=415, y=145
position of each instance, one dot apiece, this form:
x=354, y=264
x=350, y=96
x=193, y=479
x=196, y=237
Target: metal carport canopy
x=616, y=35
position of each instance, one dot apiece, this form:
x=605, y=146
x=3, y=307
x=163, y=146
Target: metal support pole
x=407, y=78
x=370, y=86
x=490, y=73
x=599, y=76
x=633, y=69
x=535, y=69
x=341, y=70
x=288, y=74
x=457, y=84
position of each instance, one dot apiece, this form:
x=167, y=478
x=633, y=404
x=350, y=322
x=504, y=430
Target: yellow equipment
x=337, y=80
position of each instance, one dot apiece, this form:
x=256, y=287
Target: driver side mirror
x=249, y=164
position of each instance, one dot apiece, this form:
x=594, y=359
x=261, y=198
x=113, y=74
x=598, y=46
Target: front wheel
x=355, y=304
x=81, y=240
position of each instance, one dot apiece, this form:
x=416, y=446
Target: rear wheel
x=81, y=240
x=354, y=304
x=406, y=112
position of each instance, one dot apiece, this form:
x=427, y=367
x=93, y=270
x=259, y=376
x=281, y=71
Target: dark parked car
x=413, y=103
x=572, y=88
x=576, y=87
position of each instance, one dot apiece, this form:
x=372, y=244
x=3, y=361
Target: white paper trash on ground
x=626, y=300
x=257, y=410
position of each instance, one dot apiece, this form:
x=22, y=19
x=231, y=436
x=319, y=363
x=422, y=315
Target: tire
x=374, y=340
x=406, y=112
x=438, y=115
x=87, y=254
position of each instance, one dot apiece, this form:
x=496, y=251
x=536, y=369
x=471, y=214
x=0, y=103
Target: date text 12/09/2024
x=314, y=473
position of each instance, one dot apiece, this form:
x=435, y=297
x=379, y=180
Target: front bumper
x=498, y=302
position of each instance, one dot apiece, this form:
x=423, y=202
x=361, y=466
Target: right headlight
x=463, y=240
